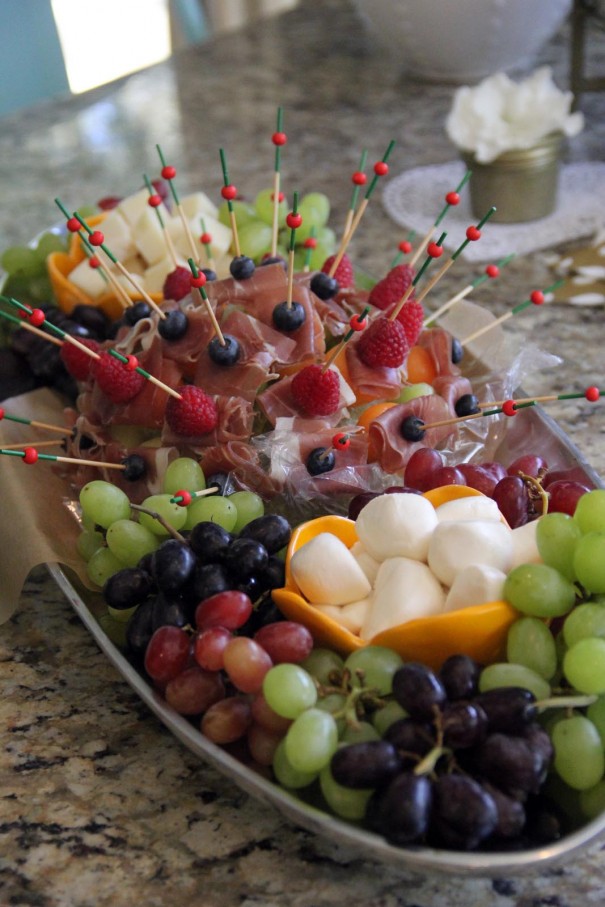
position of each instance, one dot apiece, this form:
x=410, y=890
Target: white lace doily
x=413, y=201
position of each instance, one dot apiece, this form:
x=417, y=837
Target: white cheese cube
x=475, y=585
x=456, y=545
x=396, y=525
x=325, y=571
x=405, y=589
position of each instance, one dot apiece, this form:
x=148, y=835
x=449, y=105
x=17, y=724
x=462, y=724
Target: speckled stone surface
x=99, y=805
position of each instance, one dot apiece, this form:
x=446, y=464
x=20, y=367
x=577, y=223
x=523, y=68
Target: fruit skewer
x=434, y=250
x=451, y=200
x=30, y=456
x=358, y=179
x=168, y=173
x=198, y=279
x=279, y=139
x=492, y=271
x=536, y=297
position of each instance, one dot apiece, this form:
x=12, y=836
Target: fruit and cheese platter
x=313, y=520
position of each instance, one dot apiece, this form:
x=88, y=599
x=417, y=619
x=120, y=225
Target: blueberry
x=135, y=467
x=466, y=405
x=274, y=260
x=174, y=326
x=220, y=480
x=92, y=318
x=224, y=354
x=136, y=312
x=210, y=274
x=412, y=429
x=288, y=317
x=457, y=351
x=321, y=459
x=323, y=286
x=242, y=267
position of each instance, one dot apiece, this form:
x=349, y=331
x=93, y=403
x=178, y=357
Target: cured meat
x=393, y=451
x=451, y=388
x=276, y=402
x=235, y=420
x=375, y=383
x=438, y=342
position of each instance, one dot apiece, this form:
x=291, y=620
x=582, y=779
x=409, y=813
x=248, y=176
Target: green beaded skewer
x=293, y=220
x=358, y=179
x=404, y=248
x=537, y=297
x=39, y=320
x=451, y=200
x=434, y=250
x=154, y=201
x=198, y=279
x=206, y=240
x=491, y=271
x=168, y=172
x=229, y=193
x=46, y=426
x=279, y=139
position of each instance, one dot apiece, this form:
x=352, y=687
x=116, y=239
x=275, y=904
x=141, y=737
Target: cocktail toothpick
x=22, y=445
x=279, y=139
x=357, y=323
x=30, y=456
x=404, y=248
x=381, y=168
x=358, y=179
x=537, y=297
x=168, y=172
x=46, y=426
x=20, y=322
x=185, y=498
x=154, y=201
x=198, y=279
x=206, y=241
x=491, y=271
x=309, y=244
x=434, y=250
x=451, y=199
x=591, y=394
x=229, y=193
x=37, y=318
x=293, y=220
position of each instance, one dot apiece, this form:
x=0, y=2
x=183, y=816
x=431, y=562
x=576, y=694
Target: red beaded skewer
x=198, y=280
x=358, y=179
x=206, y=241
x=340, y=441
x=404, y=248
x=451, y=200
x=309, y=244
x=154, y=201
x=434, y=250
x=168, y=172
x=536, y=297
x=491, y=272
x=294, y=221
x=30, y=456
x=279, y=139
x=185, y=498
x=35, y=319
x=229, y=193
x=46, y=426
x=357, y=323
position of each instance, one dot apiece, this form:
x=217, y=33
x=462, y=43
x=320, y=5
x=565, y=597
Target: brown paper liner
x=38, y=511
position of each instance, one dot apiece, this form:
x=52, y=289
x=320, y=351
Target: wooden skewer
x=197, y=274
x=23, y=444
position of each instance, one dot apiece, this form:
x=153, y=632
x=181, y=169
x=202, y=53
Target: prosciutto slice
x=438, y=342
x=235, y=420
x=393, y=451
x=380, y=383
x=451, y=388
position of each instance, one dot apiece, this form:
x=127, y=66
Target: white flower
x=499, y=115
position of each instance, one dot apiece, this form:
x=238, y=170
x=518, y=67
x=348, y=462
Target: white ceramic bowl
x=462, y=41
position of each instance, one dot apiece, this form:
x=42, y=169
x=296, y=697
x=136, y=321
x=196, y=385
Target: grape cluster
x=517, y=490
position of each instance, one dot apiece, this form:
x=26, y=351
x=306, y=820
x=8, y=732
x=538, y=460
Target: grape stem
x=535, y=486
x=428, y=762
x=161, y=520
x=566, y=702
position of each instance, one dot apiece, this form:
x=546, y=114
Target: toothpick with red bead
x=592, y=394
x=93, y=260
x=404, y=248
x=358, y=179
x=536, y=297
x=293, y=221
x=30, y=456
x=473, y=234
x=168, y=172
x=198, y=280
x=492, y=271
x=356, y=324
x=309, y=244
x=381, y=168
x=451, y=200
x=279, y=139
x=434, y=251
x=206, y=241
x=34, y=423
x=323, y=459
x=35, y=319
x=74, y=226
x=229, y=193
x=184, y=498
x=155, y=201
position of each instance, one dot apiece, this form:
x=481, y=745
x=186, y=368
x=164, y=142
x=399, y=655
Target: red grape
x=167, y=653
x=479, y=478
x=285, y=640
x=209, y=647
x=264, y=715
x=512, y=498
x=529, y=464
x=227, y=721
x=246, y=664
x=421, y=466
x=262, y=744
x=445, y=475
x=228, y=609
x=563, y=496
x=193, y=691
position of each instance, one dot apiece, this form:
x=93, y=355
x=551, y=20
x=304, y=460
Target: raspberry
x=344, y=272
x=177, y=284
x=77, y=363
x=411, y=317
x=194, y=414
x=391, y=288
x=383, y=344
x=116, y=381
x=315, y=392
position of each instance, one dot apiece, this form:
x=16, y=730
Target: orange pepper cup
x=60, y=265
x=478, y=631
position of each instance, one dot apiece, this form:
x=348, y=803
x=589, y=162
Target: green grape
x=115, y=629
x=20, y=260
x=386, y=716
x=359, y=733
x=49, y=243
x=539, y=590
x=289, y=690
x=556, y=537
x=263, y=206
x=531, y=643
x=174, y=514
x=344, y=801
x=89, y=541
x=255, y=239
x=130, y=541
x=592, y=801
x=324, y=665
x=584, y=665
x=579, y=759
x=411, y=391
x=376, y=665
x=40, y=288
x=316, y=259
x=583, y=622
x=286, y=774
x=504, y=674
x=102, y=565
x=213, y=509
x=249, y=506
x=121, y=615
x=104, y=503
x=183, y=474
x=334, y=703
x=315, y=210
x=589, y=561
x=244, y=213
x=596, y=714
x=590, y=511
x=311, y=740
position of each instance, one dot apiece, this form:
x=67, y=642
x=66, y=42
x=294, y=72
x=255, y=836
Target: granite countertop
x=99, y=804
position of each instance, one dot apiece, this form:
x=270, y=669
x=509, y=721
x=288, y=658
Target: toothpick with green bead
x=537, y=297
x=34, y=423
x=93, y=259
x=168, y=172
x=30, y=456
x=229, y=193
x=185, y=498
x=434, y=250
x=97, y=239
x=451, y=200
x=198, y=280
x=491, y=271
x=279, y=139
x=293, y=220
x=381, y=168
x=35, y=319
x=404, y=248
x=358, y=179
x=206, y=241
x=473, y=233
x=19, y=322
x=74, y=226
x=592, y=394
x=154, y=201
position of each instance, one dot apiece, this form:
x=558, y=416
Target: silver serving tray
x=535, y=431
